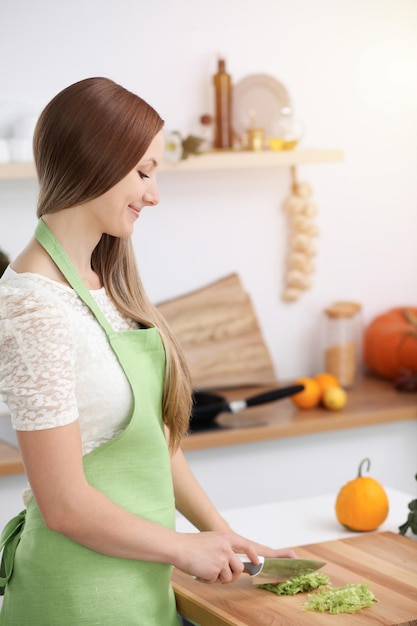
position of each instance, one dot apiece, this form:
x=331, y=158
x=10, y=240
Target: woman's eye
x=143, y=175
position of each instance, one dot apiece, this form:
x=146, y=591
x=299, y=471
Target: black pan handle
x=234, y=406
x=275, y=394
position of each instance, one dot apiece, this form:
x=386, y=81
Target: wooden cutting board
x=386, y=560
x=219, y=332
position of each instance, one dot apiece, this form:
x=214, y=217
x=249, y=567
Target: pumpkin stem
x=410, y=317
x=406, y=334
x=360, y=467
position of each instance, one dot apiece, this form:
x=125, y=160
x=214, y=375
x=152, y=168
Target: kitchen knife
x=274, y=570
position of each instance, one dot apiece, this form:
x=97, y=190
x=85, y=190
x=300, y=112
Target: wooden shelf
x=233, y=160
x=211, y=161
x=10, y=460
x=374, y=401
x=9, y=171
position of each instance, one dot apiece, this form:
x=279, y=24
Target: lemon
x=276, y=143
x=334, y=398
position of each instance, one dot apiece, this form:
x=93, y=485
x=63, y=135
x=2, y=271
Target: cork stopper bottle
x=223, y=133
x=342, y=339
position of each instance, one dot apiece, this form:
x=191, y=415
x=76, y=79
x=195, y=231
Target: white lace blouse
x=56, y=365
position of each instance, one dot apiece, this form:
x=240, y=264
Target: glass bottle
x=223, y=132
x=342, y=342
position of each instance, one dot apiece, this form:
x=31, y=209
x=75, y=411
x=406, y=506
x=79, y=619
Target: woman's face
x=116, y=211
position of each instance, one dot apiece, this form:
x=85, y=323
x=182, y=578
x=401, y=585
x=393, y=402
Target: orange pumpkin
x=390, y=342
x=362, y=504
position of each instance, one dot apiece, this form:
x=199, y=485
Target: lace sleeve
x=37, y=357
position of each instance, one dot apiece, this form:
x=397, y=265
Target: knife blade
x=274, y=570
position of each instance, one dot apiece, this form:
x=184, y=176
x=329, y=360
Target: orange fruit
x=325, y=380
x=362, y=503
x=310, y=396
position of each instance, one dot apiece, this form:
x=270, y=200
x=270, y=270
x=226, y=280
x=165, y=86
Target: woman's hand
x=212, y=556
x=272, y=553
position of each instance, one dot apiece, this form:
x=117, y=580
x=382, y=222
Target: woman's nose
x=151, y=196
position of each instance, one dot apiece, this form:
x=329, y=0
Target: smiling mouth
x=134, y=210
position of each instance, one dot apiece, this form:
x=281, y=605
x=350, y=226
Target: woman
x=98, y=389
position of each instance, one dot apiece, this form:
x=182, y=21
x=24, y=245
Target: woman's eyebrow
x=150, y=160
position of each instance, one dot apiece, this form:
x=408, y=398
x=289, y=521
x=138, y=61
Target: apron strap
x=10, y=538
x=52, y=246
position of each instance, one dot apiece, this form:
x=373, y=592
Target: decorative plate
x=258, y=100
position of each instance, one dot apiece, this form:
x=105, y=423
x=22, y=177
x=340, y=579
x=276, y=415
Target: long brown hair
x=87, y=139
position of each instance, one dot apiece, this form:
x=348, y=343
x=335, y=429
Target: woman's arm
x=192, y=502
x=190, y=498
x=71, y=506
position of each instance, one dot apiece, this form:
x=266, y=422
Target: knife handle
x=251, y=568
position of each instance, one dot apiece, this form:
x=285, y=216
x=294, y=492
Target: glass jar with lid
x=342, y=342
x=285, y=131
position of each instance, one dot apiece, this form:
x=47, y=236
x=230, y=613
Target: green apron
x=51, y=580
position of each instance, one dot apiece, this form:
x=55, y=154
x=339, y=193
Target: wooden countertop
x=373, y=401
x=10, y=460
x=386, y=560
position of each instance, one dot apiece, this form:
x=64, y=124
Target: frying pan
x=207, y=406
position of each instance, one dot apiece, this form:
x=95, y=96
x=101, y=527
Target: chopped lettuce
x=297, y=584
x=347, y=599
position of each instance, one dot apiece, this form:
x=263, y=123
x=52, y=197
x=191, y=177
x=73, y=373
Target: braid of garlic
x=301, y=211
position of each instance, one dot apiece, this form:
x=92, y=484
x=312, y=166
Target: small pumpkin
x=362, y=504
x=390, y=342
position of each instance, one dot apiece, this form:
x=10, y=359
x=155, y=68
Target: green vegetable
x=411, y=520
x=347, y=599
x=297, y=584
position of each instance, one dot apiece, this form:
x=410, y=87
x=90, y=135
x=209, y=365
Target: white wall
x=351, y=70
x=308, y=465
x=352, y=73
